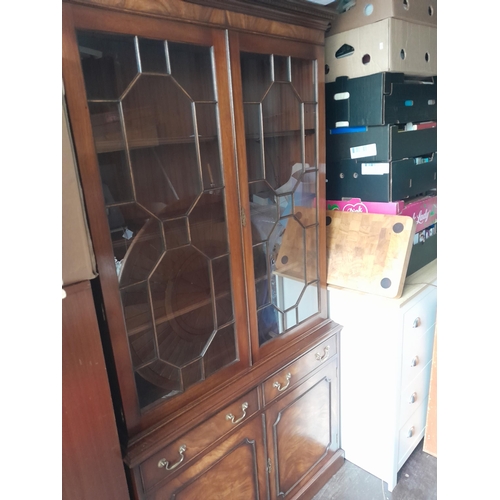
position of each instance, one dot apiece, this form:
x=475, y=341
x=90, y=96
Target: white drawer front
x=422, y=315
x=411, y=433
x=417, y=352
x=414, y=393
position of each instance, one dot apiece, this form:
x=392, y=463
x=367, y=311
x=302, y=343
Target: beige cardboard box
x=370, y=11
x=388, y=45
x=78, y=261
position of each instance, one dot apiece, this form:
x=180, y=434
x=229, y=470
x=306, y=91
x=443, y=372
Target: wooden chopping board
x=369, y=252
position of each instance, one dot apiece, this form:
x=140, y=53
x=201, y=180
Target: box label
x=363, y=151
x=374, y=168
x=341, y=96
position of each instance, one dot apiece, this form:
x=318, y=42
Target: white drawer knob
x=414, y=361
x=413, y=398
x=416, y=323
x=409, y=434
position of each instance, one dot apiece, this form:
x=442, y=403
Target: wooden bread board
x=299, y=240
x=369, y=252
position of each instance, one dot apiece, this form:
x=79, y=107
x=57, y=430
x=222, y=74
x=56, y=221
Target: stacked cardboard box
x=381, y=108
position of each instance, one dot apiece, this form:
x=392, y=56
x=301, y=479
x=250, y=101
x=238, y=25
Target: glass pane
x=253, y=130
x=157, y=111
x=139, y=322
x=221, y=351
x=176, y=232
x=153, y=56
x=166, y=178
x=109, y=64
x=270, y=323
x=143, y=253
x=255, y=76
x=263, y=292
x=191, y=68
x=304, y=79
x=282, y=172
x=207, y=224
x=305, y=192
x=125, y=223
x=310, y=138
x=311, y=253
x=106, y=126
x=309, y=302
x=281, y=110
x=260, y=261
x=207, y=121
x=181, y=284
x=192, y=373
x=290, y=318
x=157, y=139
x=222, y=287
x=281, y=69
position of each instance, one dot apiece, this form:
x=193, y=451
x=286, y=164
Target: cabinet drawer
x=235, y=469
x=417, y=390
x=187, y=447
x=417, y=352
x=422, y=315
x=288, y=377
x=411, y=433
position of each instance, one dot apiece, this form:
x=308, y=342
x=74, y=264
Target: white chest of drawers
x=385, y=365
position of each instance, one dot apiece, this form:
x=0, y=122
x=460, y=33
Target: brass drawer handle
x=326, y=353
x=164, y=463
x=278, y=385
x=230, y=416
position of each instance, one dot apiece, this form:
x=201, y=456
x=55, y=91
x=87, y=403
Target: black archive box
x=424, y=249
x=384, y=143
x=381, y=181
x=380, y=99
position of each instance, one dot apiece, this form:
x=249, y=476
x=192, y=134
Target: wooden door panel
x=234, y=470
x=303, y=431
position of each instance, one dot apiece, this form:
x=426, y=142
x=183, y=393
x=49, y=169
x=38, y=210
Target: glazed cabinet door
x=233, y=470
x=149, y=101
x=302, y=432
x=279, y=90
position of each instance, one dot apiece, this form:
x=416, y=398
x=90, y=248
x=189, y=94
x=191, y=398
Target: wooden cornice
x=299, y=12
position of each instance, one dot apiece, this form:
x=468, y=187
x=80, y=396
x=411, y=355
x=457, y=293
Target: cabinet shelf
x=112, y=146
x=280, y=133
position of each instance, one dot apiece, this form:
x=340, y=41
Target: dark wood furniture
x=91, y=456
x=199, y=135
x=92, y=464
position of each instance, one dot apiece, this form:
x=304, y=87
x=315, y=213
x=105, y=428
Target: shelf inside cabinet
x=280, y=133
x=111, y=146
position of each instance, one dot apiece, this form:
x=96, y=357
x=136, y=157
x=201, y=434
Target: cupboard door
x=280, y=178
x=302, y=432
x=234, y=470
x=158, y=102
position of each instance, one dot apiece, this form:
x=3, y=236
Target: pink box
x=423, y=211
x=367, y=207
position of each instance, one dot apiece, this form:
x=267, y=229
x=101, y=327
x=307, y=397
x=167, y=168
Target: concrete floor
x=417, y=480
